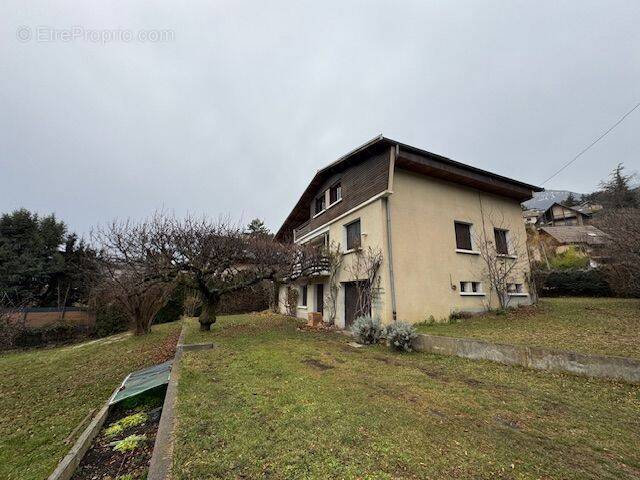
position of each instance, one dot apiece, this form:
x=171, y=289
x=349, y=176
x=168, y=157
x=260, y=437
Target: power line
x=593, y=143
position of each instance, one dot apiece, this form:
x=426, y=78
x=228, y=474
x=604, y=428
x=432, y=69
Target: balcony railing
x=311, y=265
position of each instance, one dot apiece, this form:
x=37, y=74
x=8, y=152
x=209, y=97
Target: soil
x=102, y=462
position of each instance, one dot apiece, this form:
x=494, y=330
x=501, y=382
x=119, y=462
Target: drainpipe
x=394, y=152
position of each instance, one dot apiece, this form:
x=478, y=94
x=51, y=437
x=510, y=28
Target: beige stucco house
x=425, y=215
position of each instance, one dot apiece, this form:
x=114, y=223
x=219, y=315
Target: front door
x=320, y=298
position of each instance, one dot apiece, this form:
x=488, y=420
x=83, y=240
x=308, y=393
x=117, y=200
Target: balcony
x=316, y=264
x=302, y=230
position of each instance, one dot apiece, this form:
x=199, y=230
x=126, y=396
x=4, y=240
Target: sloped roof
x=300, y=211
x=577, y=234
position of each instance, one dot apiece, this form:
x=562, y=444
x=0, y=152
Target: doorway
x=351, y=308
x=320, y=298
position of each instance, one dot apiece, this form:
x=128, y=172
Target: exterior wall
x=426, y=264
x=359, y=183
x=373, y=234
x=45, y=317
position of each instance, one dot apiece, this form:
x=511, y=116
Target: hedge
x=579, y=283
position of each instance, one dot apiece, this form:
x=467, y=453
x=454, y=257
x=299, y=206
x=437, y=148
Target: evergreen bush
x=400, y=336
x=367, y=330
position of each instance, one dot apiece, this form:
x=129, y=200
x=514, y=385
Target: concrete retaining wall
x=599, y=366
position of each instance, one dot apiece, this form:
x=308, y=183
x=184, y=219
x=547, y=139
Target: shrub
x=54, y=333
x=591, y=283
x=9, y=331
x=400, y=336
x=109, y=320
x=367, y=330
x=571, y=258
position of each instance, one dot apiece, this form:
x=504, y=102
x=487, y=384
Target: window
x=514, y=288
x=502, y=247
x=319, y=204
x=470, y=288
x=335, y=193
x=463, y=236
x=353, y=235
x=303, y=296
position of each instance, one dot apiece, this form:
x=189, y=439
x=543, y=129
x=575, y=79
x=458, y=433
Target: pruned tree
x=364, y=269
x=130, y=272
x=218, y=258
x=503, y=256
x=623, y=249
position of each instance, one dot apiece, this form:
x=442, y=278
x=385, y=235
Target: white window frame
x=344, y=235
x=470, y=293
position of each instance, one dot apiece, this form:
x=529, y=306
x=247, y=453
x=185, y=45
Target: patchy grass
x=607, y=326
x=276, y=402
x=45, y=394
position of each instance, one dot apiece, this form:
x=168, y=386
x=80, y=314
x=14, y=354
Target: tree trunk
x=142, y=327
x=208, y=315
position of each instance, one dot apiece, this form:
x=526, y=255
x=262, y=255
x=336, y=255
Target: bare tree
x=623, y=266
x=217, y=258
x=364, y=268
x=130, y=273
x=503, y=256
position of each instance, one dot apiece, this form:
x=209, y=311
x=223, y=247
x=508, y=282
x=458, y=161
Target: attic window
x=320, y=204
x=335, y=193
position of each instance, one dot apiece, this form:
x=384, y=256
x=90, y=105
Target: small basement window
x=470, y=288
x=514, y=288
x=463, y=235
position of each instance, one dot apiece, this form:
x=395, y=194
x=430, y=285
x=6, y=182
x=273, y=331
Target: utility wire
x=593, y=143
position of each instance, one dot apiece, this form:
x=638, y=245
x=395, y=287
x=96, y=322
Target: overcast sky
x=240, y=104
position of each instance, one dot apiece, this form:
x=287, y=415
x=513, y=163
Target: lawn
x=46, y=393
x=273, y=401
x=608, y=326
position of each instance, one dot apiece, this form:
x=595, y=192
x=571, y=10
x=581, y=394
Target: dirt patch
x=312, y=362
x=436, y=375
x=472, y=382
x=387, y=360
x=511, y=423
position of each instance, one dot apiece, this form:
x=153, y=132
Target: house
x=587, y=239
x=558, y=214
x=424, y=214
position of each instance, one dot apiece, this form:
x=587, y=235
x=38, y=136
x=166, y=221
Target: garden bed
x=123, y=448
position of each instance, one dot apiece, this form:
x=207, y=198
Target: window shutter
x=463, y=236
x=353, y=235
x=501, y=241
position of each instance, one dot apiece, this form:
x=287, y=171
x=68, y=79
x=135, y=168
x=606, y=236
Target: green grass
x=273, y=401
x=607, y=326
x=46, y=393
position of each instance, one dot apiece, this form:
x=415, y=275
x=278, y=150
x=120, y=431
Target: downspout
x=392, y=285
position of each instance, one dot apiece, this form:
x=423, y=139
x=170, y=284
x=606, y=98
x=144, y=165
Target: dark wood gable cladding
x=359, y=182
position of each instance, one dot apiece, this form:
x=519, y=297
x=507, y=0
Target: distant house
x=558, y=239
x=559, y=215
x=425, y=213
